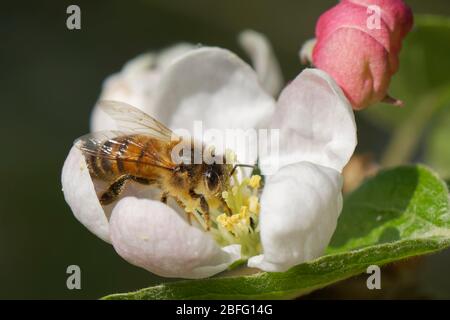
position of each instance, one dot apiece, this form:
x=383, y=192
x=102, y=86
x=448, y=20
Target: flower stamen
x=241, y=226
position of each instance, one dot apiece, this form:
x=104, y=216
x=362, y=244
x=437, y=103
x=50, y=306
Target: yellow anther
x=255, y=181
x=224, y=221
x=253, y=204
x=221, y=218
x=239, y=223
x=234, y=219
x=243, y=213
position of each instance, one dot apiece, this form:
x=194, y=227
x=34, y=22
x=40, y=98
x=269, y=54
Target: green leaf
x=405, y=203
x=424, y=68
x=400, y=213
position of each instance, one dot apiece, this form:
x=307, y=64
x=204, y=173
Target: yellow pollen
x=243, y=213
x=255, y=181
x=253, y=204
x=225, y=222
x=234, y=219
x=239, y=224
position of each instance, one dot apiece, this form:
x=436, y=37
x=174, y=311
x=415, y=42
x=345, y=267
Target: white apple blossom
x=301, y=202
x=138, y=80
x=299, y=205
x=258, y=47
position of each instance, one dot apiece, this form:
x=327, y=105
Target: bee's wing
x=107, y=145
x=133, y=120
x=93, y=144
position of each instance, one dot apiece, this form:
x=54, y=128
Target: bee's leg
x=189, y=214
x=189, y=217
x=148, y=182
x=163, y=198
x=226, y=207
x=142, y=180
x=114, y=190
x=203, y=205
x=205, y=208
x=145, y=181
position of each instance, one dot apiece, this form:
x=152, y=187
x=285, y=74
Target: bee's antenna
x=241, y=165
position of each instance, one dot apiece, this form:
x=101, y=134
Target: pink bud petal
x=360, y=57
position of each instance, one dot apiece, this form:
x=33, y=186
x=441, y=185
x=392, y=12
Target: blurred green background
x=50, y=79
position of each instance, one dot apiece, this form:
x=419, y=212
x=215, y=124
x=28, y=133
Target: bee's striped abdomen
x=108, y=163
x=134, y=155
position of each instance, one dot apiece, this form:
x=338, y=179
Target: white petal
x=307, y=50
x=139, y=64
x=152, y=236
x=300, y=206
x=214, y=86
x=258, y=47
x=168, y=55
x=136, y=84
x=80, y=194
x=316, y=123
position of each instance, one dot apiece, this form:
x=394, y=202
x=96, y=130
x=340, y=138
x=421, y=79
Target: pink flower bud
x=358, y=44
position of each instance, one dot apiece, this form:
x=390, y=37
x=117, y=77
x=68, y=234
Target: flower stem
x=407, y=136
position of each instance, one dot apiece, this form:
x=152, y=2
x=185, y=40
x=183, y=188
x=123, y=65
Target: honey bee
x=141, y=152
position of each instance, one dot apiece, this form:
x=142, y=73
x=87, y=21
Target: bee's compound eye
x=212, y=181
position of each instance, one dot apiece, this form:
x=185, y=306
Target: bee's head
x=215, y=178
